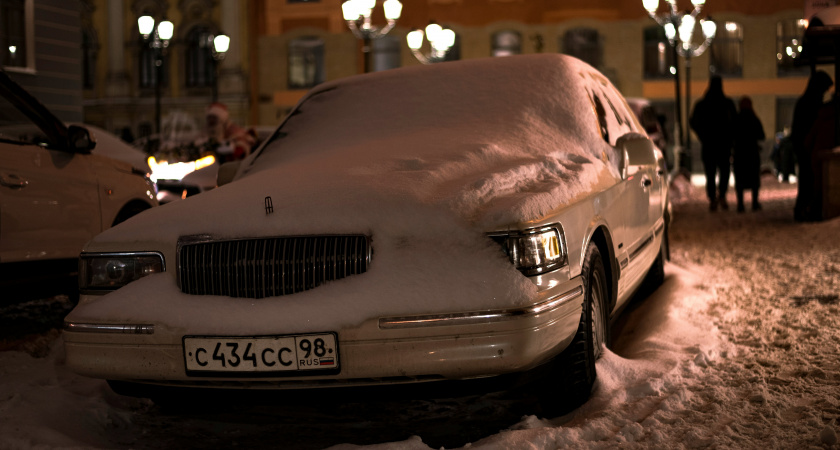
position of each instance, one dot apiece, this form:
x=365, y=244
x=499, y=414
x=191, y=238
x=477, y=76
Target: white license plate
x=306, y=352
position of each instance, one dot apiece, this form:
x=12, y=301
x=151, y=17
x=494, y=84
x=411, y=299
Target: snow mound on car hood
x=499, y=141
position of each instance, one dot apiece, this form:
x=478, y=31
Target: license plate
x=261, y=355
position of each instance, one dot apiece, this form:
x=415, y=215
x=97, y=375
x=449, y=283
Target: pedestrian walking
x=746, y=156
x=804, y=116
x=713, y=119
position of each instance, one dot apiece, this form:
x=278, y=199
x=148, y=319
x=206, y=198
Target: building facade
x=302, y=43
x=40, y=43
x=119, y=72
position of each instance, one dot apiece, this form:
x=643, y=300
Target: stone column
x=118, y=81
x=231, y=78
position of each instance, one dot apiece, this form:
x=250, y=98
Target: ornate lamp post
x=357, y=14
x=157, y=37
x=440, y=40
x=679, y=29
x=221, y=44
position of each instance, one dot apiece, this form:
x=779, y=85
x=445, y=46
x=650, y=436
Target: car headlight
x=535, y=250
x=110, y=271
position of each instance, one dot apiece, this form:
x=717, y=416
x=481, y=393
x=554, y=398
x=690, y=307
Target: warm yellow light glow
x=221, y=43
x=164, y=171
x=146, y=24
x=165, y=30
x=651, y=5
x=415, y=39
x=393, y=9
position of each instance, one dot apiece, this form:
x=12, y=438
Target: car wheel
x=573, y=374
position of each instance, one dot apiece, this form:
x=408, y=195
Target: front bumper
x=379, y=351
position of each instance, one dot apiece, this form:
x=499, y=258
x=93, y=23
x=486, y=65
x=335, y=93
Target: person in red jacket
x=234, y=141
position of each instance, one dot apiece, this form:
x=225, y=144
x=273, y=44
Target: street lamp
x=679, y=29
x=357, y=14
x=440, y=40
x=221, y=44
x=157, y=37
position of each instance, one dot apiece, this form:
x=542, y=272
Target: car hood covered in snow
x=424, y=160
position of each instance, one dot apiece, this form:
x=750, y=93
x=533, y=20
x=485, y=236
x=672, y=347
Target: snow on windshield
x=498, y=140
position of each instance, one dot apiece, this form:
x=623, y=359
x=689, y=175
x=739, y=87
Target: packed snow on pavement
x=738, y=349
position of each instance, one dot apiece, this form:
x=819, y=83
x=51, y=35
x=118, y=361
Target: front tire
x=573, y=374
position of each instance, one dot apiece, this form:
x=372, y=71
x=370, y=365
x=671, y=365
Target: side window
x=601, y=115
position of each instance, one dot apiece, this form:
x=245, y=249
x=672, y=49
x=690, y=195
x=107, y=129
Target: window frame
x=28, y=39
x=722, y=37
x=317, y=51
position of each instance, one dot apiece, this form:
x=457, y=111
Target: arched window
x=200, y=68
x=13, y=46
x=90, y=48
x=386, y=53
x=658, y=54
x=148, y=74
x=727, y=50
x=506, y=43
x=789, y=34
x=306, y=62
x=584, y=44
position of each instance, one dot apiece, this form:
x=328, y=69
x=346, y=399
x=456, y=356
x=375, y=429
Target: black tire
x=573, y=375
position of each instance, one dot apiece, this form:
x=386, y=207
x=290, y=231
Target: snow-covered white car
x=60, y=185
x=454, y=221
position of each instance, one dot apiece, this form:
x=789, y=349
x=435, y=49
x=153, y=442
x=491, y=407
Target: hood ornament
x=269, y=206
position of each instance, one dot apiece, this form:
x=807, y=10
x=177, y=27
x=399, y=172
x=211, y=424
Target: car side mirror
x=79, y=139
x=227, y=172
x=637, y=150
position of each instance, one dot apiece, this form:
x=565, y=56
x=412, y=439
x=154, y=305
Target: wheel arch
x=602, y=238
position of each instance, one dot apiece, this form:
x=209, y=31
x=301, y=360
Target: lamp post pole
x=157, y=37
x=221, y=44
x=357, y=14
x=679, y=29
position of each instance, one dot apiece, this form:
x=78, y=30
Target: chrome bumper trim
x=108, y=328
x=475, y=317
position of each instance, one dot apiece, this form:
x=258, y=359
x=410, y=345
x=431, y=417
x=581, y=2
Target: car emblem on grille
x=269, y=206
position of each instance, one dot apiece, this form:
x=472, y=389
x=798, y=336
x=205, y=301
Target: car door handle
x=13, y=182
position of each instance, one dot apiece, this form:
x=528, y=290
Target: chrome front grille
x=257, y=268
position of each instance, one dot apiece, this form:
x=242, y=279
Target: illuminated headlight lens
x=109, y=271
x=535, y=251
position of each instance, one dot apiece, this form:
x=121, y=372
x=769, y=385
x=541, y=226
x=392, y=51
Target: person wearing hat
x=234, y=141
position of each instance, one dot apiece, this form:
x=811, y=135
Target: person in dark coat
x=804, y=117
x=713, y=119
x=746, y=157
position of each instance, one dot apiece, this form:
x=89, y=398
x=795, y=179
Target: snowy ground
x=740, y=348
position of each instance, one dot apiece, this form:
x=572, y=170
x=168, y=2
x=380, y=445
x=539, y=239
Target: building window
x=658, y=54
x=584, y=44
x=386, y=53
x=14, y=44
x=506, y=43
x=148, y=74
x=90, y=48
x=789, y=34
x=306, y=62
x=200, y=67
x=727, y=50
